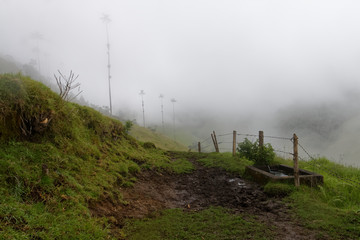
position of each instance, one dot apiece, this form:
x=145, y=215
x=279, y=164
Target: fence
x=228, y=142
x=285, y=147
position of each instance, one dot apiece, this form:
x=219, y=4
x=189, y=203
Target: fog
x=278, y=66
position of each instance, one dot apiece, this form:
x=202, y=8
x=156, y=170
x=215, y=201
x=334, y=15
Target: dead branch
x=66, y=84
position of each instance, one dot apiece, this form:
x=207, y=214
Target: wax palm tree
x=162, y=111
x=173, y=102
x=106, y=19
x=142, y=93
x=36, y=36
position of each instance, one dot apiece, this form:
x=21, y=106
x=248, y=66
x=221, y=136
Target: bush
x=253, y=152
x=128, y=126
x=149, y=145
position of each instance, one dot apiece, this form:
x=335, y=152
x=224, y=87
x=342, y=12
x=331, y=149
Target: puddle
x=279, y=174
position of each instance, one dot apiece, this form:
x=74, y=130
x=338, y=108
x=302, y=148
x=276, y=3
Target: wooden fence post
x=215, y=141
x=234, y=144
x=296, y=164
x=261, y=139
x=199, y=147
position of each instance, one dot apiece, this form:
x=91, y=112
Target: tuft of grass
x=175, y=164
x=278, y=189
x=226, y=161
x=213, y=223
x=181, y=165
x=160, y=141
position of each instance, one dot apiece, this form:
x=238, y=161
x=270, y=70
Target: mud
x=198, y=190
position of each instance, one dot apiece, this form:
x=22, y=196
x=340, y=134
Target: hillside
x=161, y=141
x=68, y=172
x=56, y=157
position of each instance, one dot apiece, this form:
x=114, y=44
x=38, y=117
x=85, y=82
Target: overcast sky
x=230, y=60
x=210, y=55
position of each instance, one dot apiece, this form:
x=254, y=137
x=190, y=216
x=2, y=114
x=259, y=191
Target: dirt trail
x=200, y=189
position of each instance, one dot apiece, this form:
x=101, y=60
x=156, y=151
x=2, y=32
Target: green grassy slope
x=161, y=141
x=55, y=158
x=334, y=207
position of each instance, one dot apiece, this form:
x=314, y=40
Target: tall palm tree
x=173, y=102
x=37, y=37
x=142, y=93
x=106, y=19
x=162, y=111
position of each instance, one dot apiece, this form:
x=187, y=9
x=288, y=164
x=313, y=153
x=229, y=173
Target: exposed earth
x=198, y=190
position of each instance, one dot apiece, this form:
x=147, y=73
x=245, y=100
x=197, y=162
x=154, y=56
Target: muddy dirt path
x=198, y=190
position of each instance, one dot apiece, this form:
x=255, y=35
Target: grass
x=333, y=209
x=160, y=141
x=49, y=173
x=226, y=161
x=86, y=157
x=213, y=223
x=278, y=189
x=330, y=221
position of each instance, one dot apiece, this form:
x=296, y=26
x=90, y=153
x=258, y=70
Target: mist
x=278, y=66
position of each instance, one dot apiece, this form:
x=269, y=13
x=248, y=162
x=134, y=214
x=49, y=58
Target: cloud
x=235, y=58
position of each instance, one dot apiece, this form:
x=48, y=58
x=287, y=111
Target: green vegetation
x=278, y=189
x=334, y=207
x=58, y=157
x=260, y=155
x=55, y=158
x=315, y=213
x=226, y=161
x=160, y=141
x=128, y=125
x=213, y=223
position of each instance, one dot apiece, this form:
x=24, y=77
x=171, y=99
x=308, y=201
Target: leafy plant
x=128, y=126
x=259, y=155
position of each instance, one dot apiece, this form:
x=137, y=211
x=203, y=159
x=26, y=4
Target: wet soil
x=198, y=190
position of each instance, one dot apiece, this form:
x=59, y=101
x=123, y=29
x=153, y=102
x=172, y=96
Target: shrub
x=252, y=151
x=128, y=126
x=149, y=145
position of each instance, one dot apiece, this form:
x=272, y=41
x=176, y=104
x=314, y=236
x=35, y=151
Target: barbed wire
x=206, y=146
x=276, y=150
x=205, y=140
x=225, y=148
x=314, y=162
x=331, y=172
x=280, y=138
x=225, y=134
x=247, y=135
